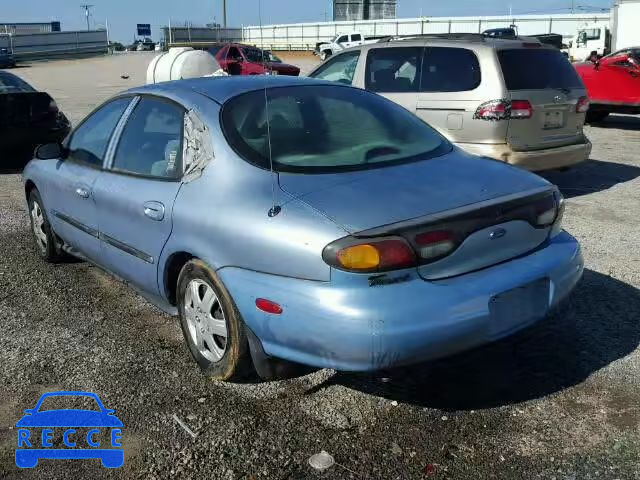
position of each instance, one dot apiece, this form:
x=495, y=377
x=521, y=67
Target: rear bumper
x=535, y=160
x=348, y=325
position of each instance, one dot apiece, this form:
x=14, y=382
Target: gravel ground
x=558, y=401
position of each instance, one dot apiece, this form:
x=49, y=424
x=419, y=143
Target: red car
x=613, y=84
x=238, y=59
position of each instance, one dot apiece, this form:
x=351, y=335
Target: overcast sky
x=123, y=15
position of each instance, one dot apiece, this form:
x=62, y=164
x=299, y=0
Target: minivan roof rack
x=468, y=37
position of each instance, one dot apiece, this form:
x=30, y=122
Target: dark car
x=7, y=60
x=28, y=117
x=239, y=59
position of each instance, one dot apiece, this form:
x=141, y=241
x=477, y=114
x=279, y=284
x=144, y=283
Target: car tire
x=326, y=54
x=596, y=117
x=47, y=243
x=211, y=324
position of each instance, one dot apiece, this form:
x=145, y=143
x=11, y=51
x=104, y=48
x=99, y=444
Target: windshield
x=526, y=69
x=319, y=129
x=11, y=83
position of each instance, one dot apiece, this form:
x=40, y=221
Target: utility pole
x=87, y=13
x=224, y=13
x=573, y=6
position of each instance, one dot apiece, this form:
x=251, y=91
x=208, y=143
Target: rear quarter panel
x=222, y=218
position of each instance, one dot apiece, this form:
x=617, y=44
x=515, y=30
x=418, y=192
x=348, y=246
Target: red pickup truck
x=239, y=59
x=613, y=83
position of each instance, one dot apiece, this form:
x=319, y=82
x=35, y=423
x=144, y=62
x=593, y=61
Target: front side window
x=343, y=39
x=323, y=128
x=447, y=69
x=151, y=142
x=90, y=140
x=340, y=68
x=393, y=70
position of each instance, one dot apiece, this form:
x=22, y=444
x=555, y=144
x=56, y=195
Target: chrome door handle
x=83, y=192
x=154, y=210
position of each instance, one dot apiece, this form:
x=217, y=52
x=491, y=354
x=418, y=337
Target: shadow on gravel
x=619, y=122
x=597, y=326
x=591, y=176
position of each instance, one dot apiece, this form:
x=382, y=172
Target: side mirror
x=50, y=151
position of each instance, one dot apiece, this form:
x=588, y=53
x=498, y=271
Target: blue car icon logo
x=69, y=433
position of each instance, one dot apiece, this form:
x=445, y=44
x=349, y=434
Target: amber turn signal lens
x=359, y=257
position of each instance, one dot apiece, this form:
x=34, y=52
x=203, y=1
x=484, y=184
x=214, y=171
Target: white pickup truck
x=343, y=41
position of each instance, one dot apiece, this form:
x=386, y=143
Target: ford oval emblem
x=557, y=99
x=497, y=233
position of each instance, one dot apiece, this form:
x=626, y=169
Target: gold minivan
x=515, y=100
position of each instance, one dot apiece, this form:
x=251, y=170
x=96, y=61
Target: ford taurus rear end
x=435, y=250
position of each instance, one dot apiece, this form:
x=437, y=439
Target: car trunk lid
x=419, y=197
x=544, y=79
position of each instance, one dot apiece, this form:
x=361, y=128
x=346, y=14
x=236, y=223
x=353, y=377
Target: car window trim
x=67, y=141
x=109, y=168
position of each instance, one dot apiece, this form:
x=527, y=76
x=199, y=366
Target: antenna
x=87, y=13
x=275, y=208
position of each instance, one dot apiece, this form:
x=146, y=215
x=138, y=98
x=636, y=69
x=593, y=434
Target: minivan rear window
x=326, y=129
x=537, y=69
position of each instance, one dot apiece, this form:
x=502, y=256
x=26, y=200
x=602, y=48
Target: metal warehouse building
x=353, y=10
x=29, y=28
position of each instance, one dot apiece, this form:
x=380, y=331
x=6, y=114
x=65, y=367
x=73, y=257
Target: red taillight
x=493, y=110
x=373, y=255
x=268, y=306
x=435, y=244
x=521, y=109
x=503, y=110
x=583, y=105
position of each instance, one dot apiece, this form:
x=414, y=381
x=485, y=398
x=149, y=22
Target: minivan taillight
x=492, y=110
x=504, y=110
x=583, y=105
x=521, y=109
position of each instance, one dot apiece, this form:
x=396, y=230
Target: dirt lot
x=559, y=401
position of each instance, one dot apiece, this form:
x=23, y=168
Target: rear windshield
x=321, y=129
x=529, y=69
x=10, y=83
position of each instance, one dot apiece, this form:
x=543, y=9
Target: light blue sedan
x=293, y=220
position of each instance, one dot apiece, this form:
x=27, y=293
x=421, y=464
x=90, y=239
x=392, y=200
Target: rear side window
x=449, y=70
x=393, y=70
x=151, y=142
x=356, y=38
x=537, y=69
x=322, y=129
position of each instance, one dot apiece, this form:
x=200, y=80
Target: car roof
x=221, y=89
x=471, y=41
